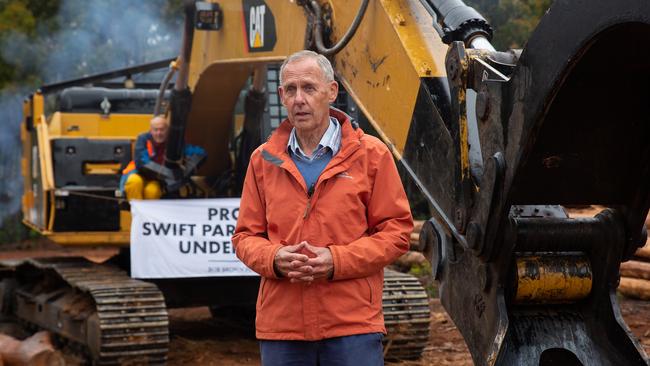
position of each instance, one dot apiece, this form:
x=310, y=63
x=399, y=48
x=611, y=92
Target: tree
x=21, y=17
x=513, y=20
x=46, y=41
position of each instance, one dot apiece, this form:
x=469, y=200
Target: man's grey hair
x=160, y=116
x=322, y=61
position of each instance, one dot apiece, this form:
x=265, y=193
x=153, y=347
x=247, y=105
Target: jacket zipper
x=304, y=215
x=310, y=193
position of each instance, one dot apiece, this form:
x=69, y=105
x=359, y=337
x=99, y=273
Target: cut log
x=635, y=288
x=417, y=225
x=644, y=251
x=406, y=261
x=8, y=347
x=414, y=242
x=636, y=269
x=36, y=350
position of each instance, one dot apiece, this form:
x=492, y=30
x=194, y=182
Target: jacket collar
x=350, y=137
x=275, y=152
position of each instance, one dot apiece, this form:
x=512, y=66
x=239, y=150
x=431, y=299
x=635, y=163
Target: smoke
x=90, y=36
x=96, y=36
x=10, y=179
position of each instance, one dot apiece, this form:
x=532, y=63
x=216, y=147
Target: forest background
x=47, y=41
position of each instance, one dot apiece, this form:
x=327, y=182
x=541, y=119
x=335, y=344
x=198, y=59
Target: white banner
x=184, y=238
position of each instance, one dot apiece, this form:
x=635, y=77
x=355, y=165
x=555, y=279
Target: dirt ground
x=199, y=339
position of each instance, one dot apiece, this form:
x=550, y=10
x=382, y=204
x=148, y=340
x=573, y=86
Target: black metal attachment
x=72, y=156
x=180, y=108
x=106, y=76
x=90, y=99
x=553, y=130
x=434, y=244
x=208, y=16
x=460, y=22
x=482, y=230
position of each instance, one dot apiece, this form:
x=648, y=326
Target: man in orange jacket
x=322, y=212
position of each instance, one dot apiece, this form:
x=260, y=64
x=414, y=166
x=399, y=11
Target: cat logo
x=256, y=26
x=259, y=25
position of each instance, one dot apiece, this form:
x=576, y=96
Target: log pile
x=635, y=275
x=413, y=256
x=415, y=235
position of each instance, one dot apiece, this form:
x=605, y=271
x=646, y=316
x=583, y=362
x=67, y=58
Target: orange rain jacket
x=358, y=209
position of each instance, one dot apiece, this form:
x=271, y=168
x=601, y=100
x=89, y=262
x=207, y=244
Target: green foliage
x=418, y=270
x=171, y=11
x=513, y=20
x=432, y=290
x=423, y=274
x=44, y=41
x=15, y=15
x=20, y=16
x=7, y=72
x=13, y=231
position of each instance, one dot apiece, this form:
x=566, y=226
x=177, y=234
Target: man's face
x=306, y=94
x=159, y=129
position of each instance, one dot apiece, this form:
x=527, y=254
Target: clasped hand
x=304, y=262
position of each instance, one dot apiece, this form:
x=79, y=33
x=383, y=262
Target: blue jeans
x=354, y=350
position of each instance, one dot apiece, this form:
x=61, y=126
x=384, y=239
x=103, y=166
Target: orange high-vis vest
x=131, y=166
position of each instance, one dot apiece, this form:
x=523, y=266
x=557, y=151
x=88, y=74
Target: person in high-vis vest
x=150, y=146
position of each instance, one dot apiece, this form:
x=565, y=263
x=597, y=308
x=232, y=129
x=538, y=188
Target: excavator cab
x=76, y=140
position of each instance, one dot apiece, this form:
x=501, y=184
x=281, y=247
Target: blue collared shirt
x=331, y=140
x=311, y=167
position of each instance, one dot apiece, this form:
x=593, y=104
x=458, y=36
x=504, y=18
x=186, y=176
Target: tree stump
x=36, y=350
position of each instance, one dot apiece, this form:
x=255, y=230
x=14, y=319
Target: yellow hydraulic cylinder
x=552, y=278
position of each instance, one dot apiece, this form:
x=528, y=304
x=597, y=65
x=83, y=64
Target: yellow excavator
x=495, y=141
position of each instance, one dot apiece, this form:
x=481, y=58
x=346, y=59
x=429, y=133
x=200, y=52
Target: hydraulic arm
x=562, y=122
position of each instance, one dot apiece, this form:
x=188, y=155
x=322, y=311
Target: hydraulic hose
x=318, y=31
x=459, y=23
x=173, y=66
x=181, y=97
x=434, y=15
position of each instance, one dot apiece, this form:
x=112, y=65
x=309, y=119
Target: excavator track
x=97, y=308
x=407, y=316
